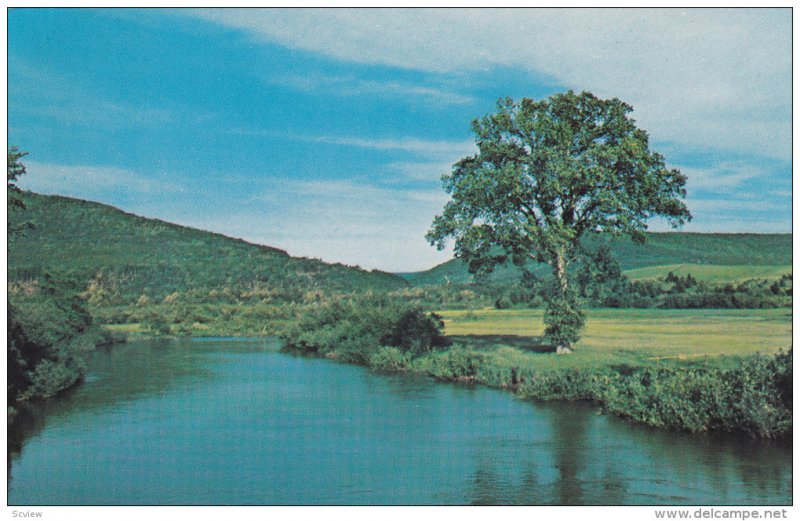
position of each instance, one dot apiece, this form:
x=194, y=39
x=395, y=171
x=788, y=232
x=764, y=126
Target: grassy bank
x=630, y=336
x=689, y=370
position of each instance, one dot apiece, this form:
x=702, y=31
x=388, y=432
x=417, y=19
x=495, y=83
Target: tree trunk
x=560, y=271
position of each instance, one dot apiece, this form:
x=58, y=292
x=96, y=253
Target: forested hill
x=713, y=256
x=128, y=256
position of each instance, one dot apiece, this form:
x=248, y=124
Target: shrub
x=754, y=398
x=353, y=330
x=457, y=363
x=49, y=332
x=564, y=320
x=156, y=324
x=52, y=376
x=560, y=385
x=390, y=359
x=412, y=329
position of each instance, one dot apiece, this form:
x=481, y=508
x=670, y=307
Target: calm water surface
x=235, y=422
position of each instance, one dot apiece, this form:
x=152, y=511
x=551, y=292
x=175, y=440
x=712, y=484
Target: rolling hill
x=131, y=255
x=716, y=257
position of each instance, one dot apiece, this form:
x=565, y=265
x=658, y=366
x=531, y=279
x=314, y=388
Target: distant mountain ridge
x=133, y=255
x=712, y=254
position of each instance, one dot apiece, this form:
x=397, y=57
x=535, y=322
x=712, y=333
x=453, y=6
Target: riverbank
x=753, y=398
x=54, y=368
x=746, y=394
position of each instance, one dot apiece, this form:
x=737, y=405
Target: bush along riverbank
x=754, y=398
x=50, y=332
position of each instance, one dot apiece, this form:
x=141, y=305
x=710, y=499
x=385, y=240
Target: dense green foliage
x=355, y=330
x=119, y=257
x=669, y=292
x=754, y=398
x=548, y=173
x=49, y=332
x=563, y=319
x=613, y=290
x=13, y=199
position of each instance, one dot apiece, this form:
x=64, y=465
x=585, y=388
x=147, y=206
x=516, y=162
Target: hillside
x=128, y=256
x=719, y=257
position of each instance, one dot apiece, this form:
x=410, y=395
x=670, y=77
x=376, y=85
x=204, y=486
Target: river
x=233, y=422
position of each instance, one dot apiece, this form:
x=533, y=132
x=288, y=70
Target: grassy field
x=710, y=272
x=626, y=336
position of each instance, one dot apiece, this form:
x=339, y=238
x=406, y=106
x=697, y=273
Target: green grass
x=711, y=272
x=625, y=336
x=126, y=328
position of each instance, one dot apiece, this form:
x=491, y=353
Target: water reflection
x=570, y=427
x=592, y=459
x=572, y=467
x=125, y=373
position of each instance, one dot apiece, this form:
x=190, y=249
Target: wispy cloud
x=71, y=104
x=722, y=177
x=90, y=182
x=706, y=207
x=422, y=147
x=353, y=86
x=344, y=191
x=423, y=171
x=441, y=150
x=704, y=77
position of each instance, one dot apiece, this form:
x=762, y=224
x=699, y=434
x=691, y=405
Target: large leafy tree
x=547, y=173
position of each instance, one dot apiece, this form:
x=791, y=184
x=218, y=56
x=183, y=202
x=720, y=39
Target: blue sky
x=325, y=132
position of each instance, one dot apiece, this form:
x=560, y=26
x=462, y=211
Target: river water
x=232, y=422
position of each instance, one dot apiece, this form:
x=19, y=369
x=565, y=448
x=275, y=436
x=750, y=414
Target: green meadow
x=631, y=336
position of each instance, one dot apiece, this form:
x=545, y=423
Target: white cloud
x=352, y=86
x=442, y=151
x=429, y=148
x=722, y=177
x=725, y=223
x=702, y=77
x=355, y=197
x=89, y=182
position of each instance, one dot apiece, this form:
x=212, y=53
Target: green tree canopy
x=547, y=173
x=14, y=200
x=15, y=170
